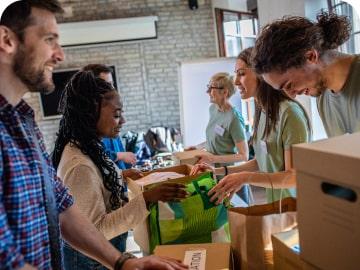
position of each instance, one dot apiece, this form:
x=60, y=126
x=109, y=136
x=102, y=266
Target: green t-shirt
x=223, y=131
x=340, y=112
x=291, y=128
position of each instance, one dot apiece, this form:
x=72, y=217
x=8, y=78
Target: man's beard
x=35, y=80
x=320, y=87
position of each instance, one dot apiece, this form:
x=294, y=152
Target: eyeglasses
x=209, y=87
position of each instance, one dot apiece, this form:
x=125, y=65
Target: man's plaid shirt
x=23, y=223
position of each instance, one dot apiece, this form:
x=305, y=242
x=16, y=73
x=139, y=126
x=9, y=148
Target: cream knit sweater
x=84, y=180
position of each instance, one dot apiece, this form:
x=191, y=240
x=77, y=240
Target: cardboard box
x=287, y=252
x=328, y=191
x=213, y=256
x=183, y=169
x=284, y=249
x=308, y=266
x=187, y=157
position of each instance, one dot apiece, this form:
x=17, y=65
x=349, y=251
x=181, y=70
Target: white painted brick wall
x=147, y=70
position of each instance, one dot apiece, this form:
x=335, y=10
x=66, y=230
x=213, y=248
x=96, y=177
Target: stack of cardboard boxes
x=328, y=193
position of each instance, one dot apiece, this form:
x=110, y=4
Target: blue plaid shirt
x=24, y=234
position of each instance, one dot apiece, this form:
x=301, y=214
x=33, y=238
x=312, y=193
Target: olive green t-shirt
x=224, y=131
x=291, y=128
x=340, y=112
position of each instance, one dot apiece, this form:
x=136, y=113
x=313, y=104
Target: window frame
x=350, y=44
x=219, y=18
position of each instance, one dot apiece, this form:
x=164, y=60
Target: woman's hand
x=167, y=192
x=127, y=157
x=205, y=158
x=190, y=148
x=132, y=173
x=228, y=186
x=202, y=167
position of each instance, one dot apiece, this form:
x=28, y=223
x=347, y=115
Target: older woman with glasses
x=226, y=142
x=225, y=133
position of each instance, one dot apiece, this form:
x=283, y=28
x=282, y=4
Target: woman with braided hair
x=91, y=110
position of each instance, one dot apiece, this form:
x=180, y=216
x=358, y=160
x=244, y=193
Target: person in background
x=225, y=133
x=300, y=57
x=36, y=210
x=279, y=122
x=92, y=109
x=113, y=146
x=226, y=142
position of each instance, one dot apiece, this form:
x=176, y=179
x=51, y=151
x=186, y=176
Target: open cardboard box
x=328, y=196
x=287, y=252
x=212, y=256
x=286, y=256
x=183, y=169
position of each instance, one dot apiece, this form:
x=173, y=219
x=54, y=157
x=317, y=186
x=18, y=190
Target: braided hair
x=80, y=105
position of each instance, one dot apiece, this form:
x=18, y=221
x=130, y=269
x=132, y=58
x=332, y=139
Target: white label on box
x=195, y=259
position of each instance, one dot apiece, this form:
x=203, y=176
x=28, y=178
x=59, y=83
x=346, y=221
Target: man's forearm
x=80, y=233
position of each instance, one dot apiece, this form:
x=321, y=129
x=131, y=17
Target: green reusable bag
x=192, y=220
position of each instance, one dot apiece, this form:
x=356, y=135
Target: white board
x=194, y=101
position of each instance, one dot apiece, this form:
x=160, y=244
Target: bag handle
x=249, y=181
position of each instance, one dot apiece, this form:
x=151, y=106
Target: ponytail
x=335, y=28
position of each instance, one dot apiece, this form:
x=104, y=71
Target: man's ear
x=312, y=56
x=8, y=40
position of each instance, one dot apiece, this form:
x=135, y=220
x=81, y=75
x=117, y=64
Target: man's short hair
x=17, y=16
x=97, y=69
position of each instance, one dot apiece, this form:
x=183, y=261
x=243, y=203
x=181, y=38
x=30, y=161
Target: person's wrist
x=122, y=259
x=113, y=156
x=226, y=172
x=219, y=171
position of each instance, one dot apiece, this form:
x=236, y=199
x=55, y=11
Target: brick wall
x=147, y=71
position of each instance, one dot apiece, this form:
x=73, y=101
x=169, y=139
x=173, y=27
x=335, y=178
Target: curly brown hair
x=283, y=43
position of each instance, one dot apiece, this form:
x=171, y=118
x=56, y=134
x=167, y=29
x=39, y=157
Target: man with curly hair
x=298, y=56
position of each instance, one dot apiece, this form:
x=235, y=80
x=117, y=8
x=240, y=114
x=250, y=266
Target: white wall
x=313, y=7
x=194, y=101
x=270, y=10
x=237, y=5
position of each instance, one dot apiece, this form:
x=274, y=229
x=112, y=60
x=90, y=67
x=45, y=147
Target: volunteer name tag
x=195, y=259
x=219, y=130
x=263, y=147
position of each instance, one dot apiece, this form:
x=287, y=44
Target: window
x=352, y=46
x=236, y=31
